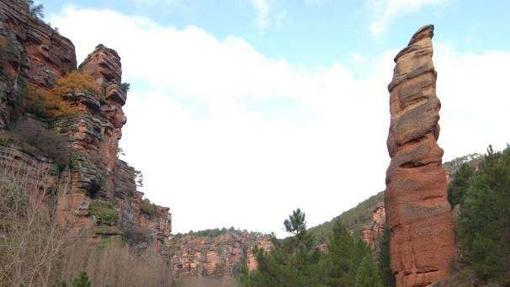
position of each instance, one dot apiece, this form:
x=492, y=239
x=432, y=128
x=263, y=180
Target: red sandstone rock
x=217, y=256
x=31, y=51
x=418, y=213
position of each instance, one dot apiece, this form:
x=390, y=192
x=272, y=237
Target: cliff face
x=374, y=231
x=218, y=256
x=422, y=234
x=33, y=56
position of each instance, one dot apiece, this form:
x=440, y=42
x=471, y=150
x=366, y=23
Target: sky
x=241, y=111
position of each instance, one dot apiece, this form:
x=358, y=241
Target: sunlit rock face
x=32, y=53
x=418, y=213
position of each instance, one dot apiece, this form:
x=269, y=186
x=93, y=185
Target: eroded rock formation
x=216, y=256
x=418, y=213
x=33, y=54
x=374, y=231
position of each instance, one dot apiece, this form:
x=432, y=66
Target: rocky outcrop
x=34, y=55
x=374, y=231
x=216, y=256
x=418, y=213
x=30, y=51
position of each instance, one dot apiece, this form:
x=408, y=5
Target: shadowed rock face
x=417, y=209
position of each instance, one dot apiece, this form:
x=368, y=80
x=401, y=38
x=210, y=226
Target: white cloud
x=385, y=11
x=268, y=13
x=227, y=136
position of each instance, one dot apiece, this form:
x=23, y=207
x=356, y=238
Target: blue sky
x=241, y=111
x=318, y=32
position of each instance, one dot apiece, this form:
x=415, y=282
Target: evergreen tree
x=387, y=276
x=337, y=263
x=82, y=280
x=367, y=274
x=484, y=222
x=458, y=186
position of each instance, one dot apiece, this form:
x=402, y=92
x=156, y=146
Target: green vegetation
x=384, y=260
x=51, y=104
x=125, y=87
x=296, y=261
x=36, y=10
x=367, y=275
x=353, y=219
x=104, y=212
x=148, y=208
x=82, y=280
x=458, y=186
x=483, y=226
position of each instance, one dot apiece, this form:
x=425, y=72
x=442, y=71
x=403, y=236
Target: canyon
x=98, y=193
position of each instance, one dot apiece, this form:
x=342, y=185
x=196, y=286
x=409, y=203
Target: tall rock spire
x=418, y=213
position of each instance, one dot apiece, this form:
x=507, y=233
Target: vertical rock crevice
x=418, y=213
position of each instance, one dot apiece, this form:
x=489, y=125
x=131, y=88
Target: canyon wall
x=216, y=256
x=374, y=231
x=33, y=58
x=418, y=213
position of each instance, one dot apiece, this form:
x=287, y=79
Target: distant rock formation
x=216, y=256
x=418, y=213
x=33, y=54
x=374, y=231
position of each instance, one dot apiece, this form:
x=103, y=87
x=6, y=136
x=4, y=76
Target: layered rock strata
x=418, y=213
x=34, y=54
x=217, y=256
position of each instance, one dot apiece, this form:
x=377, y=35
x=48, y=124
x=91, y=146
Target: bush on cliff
x=483, y=226
x=51, y=144
x=36, y=10
x=51, y=104
x=149, y=209
x=104, y=212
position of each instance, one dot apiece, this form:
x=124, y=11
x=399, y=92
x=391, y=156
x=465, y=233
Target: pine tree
x=367, y=274
x=484, y=222
x=458, y=186
x=384, y=260
x=337, y=263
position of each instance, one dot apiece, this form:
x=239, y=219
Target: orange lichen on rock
x=422, y=243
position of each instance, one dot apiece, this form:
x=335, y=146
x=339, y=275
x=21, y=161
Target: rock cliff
x=38, y=76
x=216, y=256
x=417, y=209
x=374, y=231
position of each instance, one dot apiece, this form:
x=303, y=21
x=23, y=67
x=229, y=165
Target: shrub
x=36, y=10
x=148, y=208
x=104, y=212
x=75, y=82
x=51, y=144
x=125, y=87
x=50, y=103
x=82, y=280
